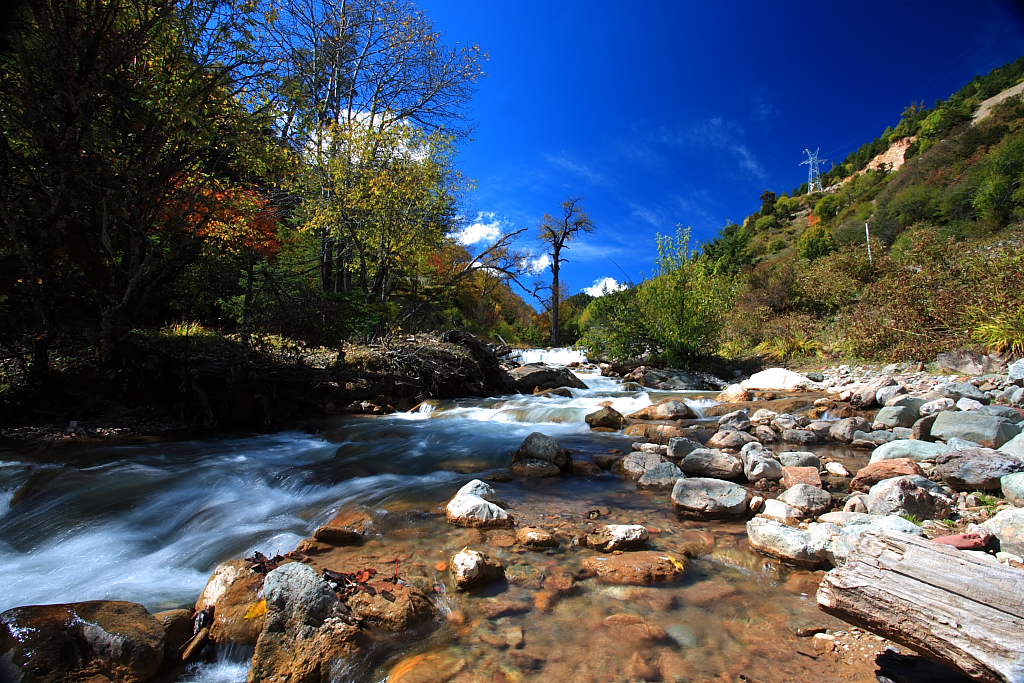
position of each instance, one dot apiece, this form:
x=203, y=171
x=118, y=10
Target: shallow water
x=148, y=523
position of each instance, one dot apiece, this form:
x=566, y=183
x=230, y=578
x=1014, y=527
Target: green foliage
x=815, y=242
x=1002, y=331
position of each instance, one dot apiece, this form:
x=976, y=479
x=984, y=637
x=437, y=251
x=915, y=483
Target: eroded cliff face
x=890, y=160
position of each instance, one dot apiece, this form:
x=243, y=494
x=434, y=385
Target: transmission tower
x=813, y=164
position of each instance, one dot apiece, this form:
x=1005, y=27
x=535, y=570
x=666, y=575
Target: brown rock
x=674, y=667
x=730, y=438
x=177, y=625
x=535, y=469
x=707, y=592
x=393, y=607
x=494, y=608
x=428, y=667
x=582, y=467
x=606, y=460
x=636, y=568
x=791, y=476
x=338, y=535
x=875, y=472
x=233, y=592
x=635, y=629
x=104, y=640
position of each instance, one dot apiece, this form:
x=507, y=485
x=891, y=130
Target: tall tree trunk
x=555, y=292
x=326, y=262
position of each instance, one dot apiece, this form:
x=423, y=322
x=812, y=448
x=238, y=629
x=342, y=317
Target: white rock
x=781, y=512
x=968, y=404
x=776, y=379
x=936, y=406
x=837, y=469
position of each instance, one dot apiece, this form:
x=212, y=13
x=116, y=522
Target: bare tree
x=558, y=232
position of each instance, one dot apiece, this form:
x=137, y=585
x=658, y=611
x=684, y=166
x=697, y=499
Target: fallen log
x=958, y=608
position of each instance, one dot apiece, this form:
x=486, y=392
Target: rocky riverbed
x=614, y=524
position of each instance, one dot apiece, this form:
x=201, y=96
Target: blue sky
x=665, y=113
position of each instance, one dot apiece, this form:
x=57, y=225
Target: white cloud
x=486, y=228
x=646, y=215
x=538, y=264
x=604, y=285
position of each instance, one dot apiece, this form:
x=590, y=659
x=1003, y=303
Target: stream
x=148, y=523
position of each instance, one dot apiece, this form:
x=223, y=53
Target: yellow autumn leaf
x=256, y=610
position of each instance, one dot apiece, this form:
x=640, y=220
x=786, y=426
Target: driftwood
x=949, y=605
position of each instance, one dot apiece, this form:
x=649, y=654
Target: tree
x=558, y=232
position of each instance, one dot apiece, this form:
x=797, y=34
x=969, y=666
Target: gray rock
x=988, y=430
x=1014, y=446
x=737, y=420
x=913, y=402
x=799, y=459
x=1012, y=486
x=539, y=446
x=843, y=430
x=937, y=406
x=637, y=463
x=764, y=434
x=809, y=499
x=865, y=396
x=777, y=540
x=538, y=377
x=834, y=543
x=706, y=462
x=909, y=495
x=763, y=416
x=661, y=476
x=958, y=444
x=877, y=437
x=976, y=469
x=605, y=418
x=958, y=390
x=1001, y=411
x=673, y=409
x=754, y=448
x=902, y=432
x=896, y=416
x=784, y=421
x=613, y=537
x=886, y=394
x=1008, y=526
x=800, y=436
x=704, y=498
x=1015, y=371
x=532, y=468
x=907, y=448
x=922, y=429
x=757, y=466
x=679, y=446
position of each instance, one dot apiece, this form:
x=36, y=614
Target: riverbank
x=688, y=598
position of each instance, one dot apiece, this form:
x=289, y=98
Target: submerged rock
x=99, y=640
x=639, y=568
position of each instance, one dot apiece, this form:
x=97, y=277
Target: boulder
x=737, y=420
x=469, y=508
x=969, y=404
x=531, y=468
x=734, y=393
x=1011, y=414
x=1012, y=487
x=177, y=626
x=937, y=406
x=1014, y=446
x=967, y=362
x=637, y=463
x=775, y=539
x=776, y=379
x=833, y=543
x=763, y=416
x=661, y=476
x=988, y=430
x=605, y=418
x=764, y=434
x=872, y=439
x=810, y=500
x=959, y=390
x=842, y=430
x=791, y=476
x=396, y=608
x=707, y=462
x=669, y=409
x=889, y=393
x=875, y=472
x=976, y=469
x=800, y=436
x=704, y=498
x=679, y=446
x=618, y=537
x=729, y=438
x=530, y=378
x=1008, y=526
x=307, y=629
x=757, y=467
x=865, y=396
x=472, y=568
x=921, y=430
x=909, y=495
x=640, y=568
x=1015, y=371
x=896, y=416
x=99, y=640
x=907, y=448
x=233, y=591
x=539, y=446
x=799, y=459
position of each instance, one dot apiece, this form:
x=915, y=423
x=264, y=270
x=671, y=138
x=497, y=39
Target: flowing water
x=148, y=523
